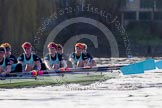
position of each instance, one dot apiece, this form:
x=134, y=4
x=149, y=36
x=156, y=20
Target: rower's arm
x=71, y=60
x=20, y=59
x=8, y=66
x=63, y=64
x=8, y=69
x=38, y=64
x=20, y=62
x=47, y=64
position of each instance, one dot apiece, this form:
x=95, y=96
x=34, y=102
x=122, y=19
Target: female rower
x=54, y=60
x=90, y=61
x=29, y=60
x=5, y=66
x=59, y=49
x=15, y=66
x=78, y=58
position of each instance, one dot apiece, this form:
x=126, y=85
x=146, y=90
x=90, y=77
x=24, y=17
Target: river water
x=134, y=91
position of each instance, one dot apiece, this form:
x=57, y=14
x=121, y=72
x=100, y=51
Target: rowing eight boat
x=73, y=75
x=58, y=78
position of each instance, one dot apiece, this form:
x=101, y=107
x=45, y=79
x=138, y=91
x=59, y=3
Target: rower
x=15, y=66
x=54, y=60
x=59, y=49
x=78, y=58
x=90, y=61
x=29, y=60
x=5, y=66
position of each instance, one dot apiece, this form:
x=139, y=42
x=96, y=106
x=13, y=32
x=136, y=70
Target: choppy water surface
x=135, y=91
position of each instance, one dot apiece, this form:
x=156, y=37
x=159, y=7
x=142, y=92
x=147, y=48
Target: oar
x=158, y=64
x=18, y=77
x=149, y=64
x=82, y=70
x=95, y=68
x=135, y=68
x=79, y=69
x=139, y=67
x=65, y=70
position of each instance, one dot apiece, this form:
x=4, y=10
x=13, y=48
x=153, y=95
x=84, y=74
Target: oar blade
x=158, y=64
x=136, y=68
x=139, y=68
x=149, y=64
